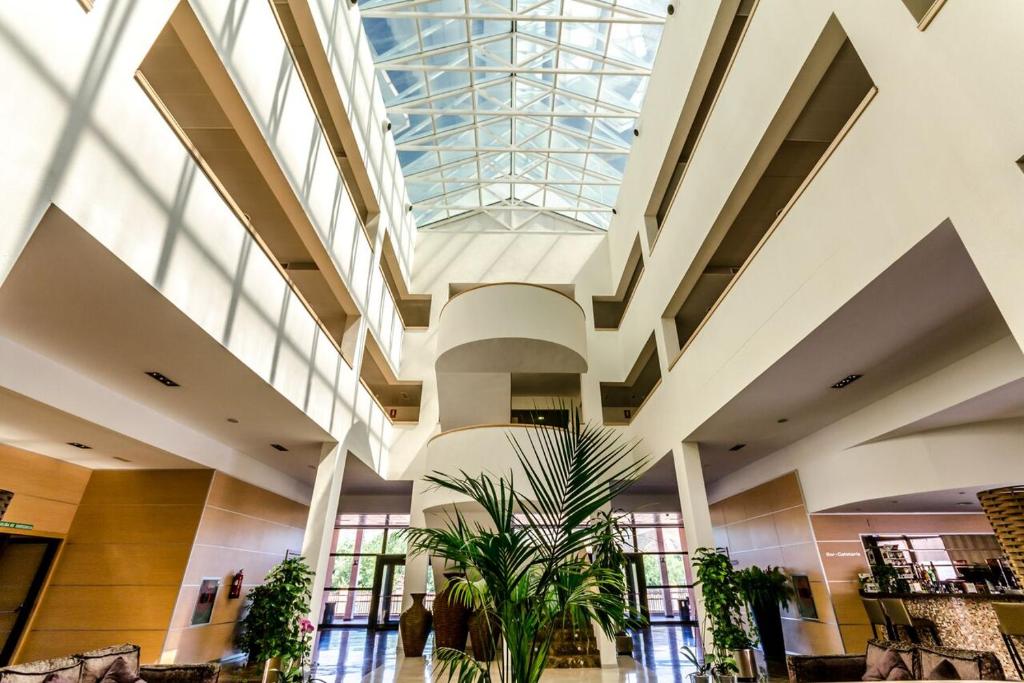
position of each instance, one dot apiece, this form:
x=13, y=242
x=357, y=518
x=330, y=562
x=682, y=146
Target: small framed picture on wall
x=804, y=597
x=203, y=612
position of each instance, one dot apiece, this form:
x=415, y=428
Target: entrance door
x=386, y=596
x=636, y=585
x=24, y=563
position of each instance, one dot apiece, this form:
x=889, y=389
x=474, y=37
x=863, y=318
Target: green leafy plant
x=723, y=602
x=276, y=624
x=532, y=555
x=712, y=664
x=888, y=579
x=763, y=586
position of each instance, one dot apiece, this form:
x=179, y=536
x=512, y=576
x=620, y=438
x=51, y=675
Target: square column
x=323, y=511
x=693, y=501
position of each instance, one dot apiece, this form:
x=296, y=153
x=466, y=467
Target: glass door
x=24, y=563
x=386, y=594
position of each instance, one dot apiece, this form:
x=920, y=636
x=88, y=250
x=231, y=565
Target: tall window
x=660, y=569
x=360, y=541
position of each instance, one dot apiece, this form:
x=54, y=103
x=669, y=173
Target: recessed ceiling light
x=312, y=467
x=849, y=379
x=738, y=447
x=894, y=502
x=163, y=379
x=79, y=445
x=782, y=420
x=964, y=503
x=118, y=457
x=963, y=493
x=233, y=420
x=278, y=447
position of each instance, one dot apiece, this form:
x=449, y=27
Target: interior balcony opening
x=621, y=401
x=171, y=76
x=685, y=139
x=357, y=181
x=923, y=11
x=414, y=309
x=829, y=110
x=399, y=400
x=609, y=310
x=544, y=398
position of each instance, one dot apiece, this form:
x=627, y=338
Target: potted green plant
x=276, y=631
x=531, y=554
x=723, y=604
x=765, y=592
x=709, y=667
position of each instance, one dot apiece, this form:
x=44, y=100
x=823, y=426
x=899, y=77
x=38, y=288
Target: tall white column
x=693, y=501
x=323, y=510
x=606, y=645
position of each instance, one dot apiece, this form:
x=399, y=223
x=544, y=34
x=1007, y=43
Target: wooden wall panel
x=46, y=490
x=842, y=557
x=119, y=573
x=243, y=527
x=769, y=525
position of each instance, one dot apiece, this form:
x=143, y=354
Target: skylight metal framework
x=513, y=107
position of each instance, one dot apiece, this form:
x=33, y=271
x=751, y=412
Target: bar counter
x=963, y=620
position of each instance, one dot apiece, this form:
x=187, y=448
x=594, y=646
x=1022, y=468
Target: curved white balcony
x=512, y=327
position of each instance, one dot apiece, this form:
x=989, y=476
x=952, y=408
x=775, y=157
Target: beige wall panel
x=846, y=601
x=843, y=560
x=149, y=487
x=839, y=527
x=792, y=526
x=762, y=557
x=740, y=535
x=734, y=509
x=785, y=492
x=802, y=559
x=47, y=516
x=135, y=523
x=201, y=643
x=60, y=643
x=224, y=609
x=717, y=514
x=811, y=637
x=856, y=637
x=210, y=560
x=231, y=494
x=102, y=607
x=232, y=530
x=122, y=564
x=36, y=475
x=721, y=536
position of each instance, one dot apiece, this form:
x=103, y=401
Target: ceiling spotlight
x=671, y=10
x=846, y=381
x=782, y=420
x=738, y=447
x=409, y=208
x=312, y=467
x=79, y=445
x=964, y=503
x=387, y=125
x=636, y=132
x=163, y=379
x=233, y=420
x=118, y=457
x=278, y=447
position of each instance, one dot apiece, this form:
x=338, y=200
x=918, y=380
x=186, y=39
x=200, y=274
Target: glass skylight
x=513, y=108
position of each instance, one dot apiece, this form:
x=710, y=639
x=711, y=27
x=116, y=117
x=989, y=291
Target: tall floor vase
x=415, y=625
x=451, y=621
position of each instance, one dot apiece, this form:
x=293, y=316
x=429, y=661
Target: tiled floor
x=357, y=656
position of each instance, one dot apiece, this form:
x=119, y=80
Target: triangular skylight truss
x=503, y=106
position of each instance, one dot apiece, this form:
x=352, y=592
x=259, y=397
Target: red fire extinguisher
x=236, y=585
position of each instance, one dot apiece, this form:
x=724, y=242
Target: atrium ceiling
x=514, y=109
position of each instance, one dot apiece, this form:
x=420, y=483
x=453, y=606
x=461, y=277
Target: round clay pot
x=415, y=626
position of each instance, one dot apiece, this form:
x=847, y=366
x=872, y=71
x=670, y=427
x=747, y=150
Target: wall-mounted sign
x=203, y=612
x=804, y=597
x=5, y=500
x=15, y=525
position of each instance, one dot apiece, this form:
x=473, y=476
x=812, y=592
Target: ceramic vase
x=415, y=625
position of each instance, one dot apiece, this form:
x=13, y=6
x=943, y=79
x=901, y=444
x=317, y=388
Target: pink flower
x=306, y=626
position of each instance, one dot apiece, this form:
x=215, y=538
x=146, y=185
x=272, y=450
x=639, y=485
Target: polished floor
x=358, y=656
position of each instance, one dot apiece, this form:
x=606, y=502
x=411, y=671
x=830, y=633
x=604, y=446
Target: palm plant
x=528, y=568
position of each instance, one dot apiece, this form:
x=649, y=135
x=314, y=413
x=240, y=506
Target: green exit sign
x=15, y=525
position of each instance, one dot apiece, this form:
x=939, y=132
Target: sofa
x=117, y=664
x=911, y=662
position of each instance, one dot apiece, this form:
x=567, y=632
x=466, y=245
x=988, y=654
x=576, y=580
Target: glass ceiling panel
x=502, y=106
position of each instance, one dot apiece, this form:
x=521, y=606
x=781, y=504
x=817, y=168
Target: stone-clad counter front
x=963, y=620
